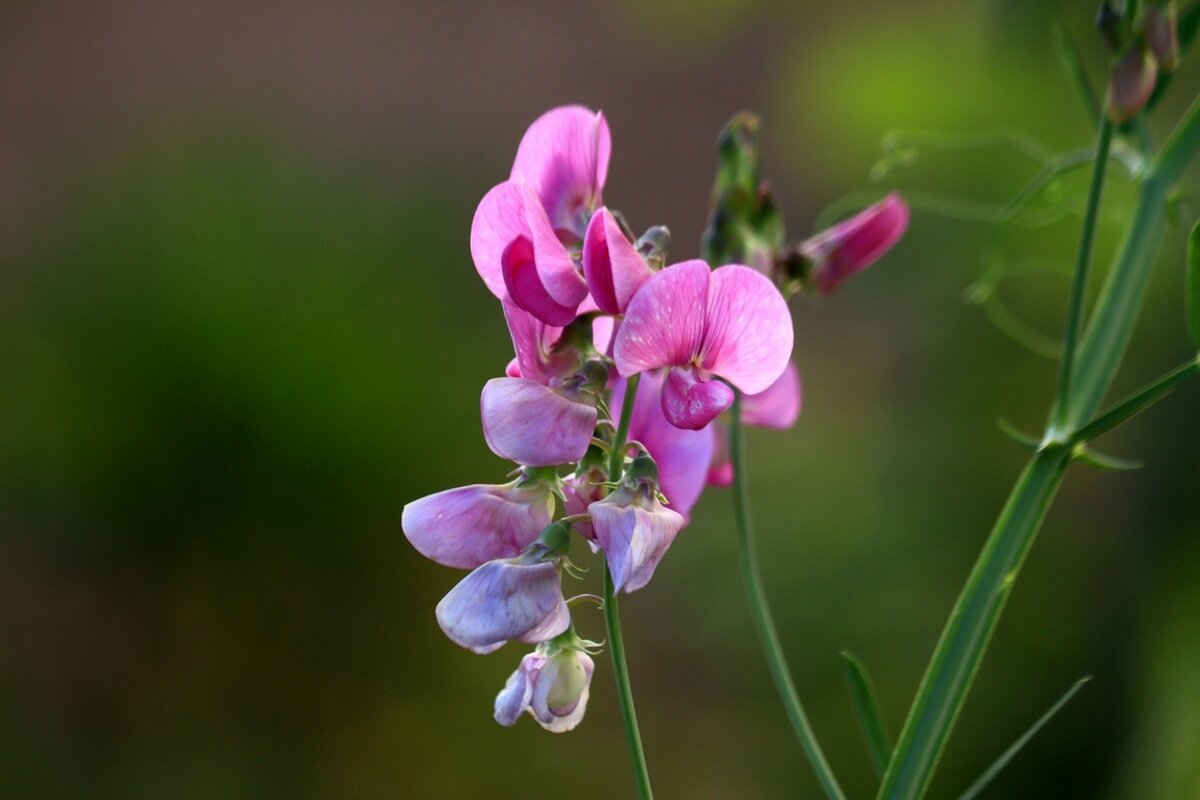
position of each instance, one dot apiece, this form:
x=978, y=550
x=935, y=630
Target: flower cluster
x=595, y=315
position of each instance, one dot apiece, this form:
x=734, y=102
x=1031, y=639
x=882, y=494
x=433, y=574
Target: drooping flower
x=547, y=413
x=520, y=226
x=470, y=525
x=778, y=406
x=511, y=598
x=633, y=528
x=552, y=684
x=730, y=323
x=854, y=244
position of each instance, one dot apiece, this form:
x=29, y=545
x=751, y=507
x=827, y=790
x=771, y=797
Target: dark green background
x=240, y=328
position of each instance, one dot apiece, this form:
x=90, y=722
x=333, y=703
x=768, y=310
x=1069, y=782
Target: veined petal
x=533, y=424
x=470, y=525
x=513, y=699
x=854, y=244
x=524, y=284
x=748, y=340
x=612, y=265
x=555, y=268
x=778, y=406
x=691, y=403
x=664, y=324
x=499, y=218
x=634, y=536
x=564, y=157
x=682, y=455
x=504, y=600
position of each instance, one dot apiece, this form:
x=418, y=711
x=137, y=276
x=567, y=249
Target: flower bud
x=1130, y=84
x=552, y=684
x=653, y=246
x=613, y=266
x=854, y=244
x=634, y=530
x=513, y=598
x=1160, y=28
x=470, y=525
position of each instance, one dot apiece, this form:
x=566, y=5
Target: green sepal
x=1094, y=458
x=1017, y=435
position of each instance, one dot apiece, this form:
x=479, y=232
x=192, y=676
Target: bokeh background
x=240, y=328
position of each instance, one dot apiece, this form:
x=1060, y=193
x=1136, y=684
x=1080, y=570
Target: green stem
x=761, y=612
x=1079, y=282
x=1138, y=401
x=612, y=617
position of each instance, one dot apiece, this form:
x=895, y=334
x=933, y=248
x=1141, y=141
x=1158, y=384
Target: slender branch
x=761, y=611
x=1136, y=402
x=612, y=617
x=1079, y=282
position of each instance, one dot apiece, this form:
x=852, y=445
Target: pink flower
x=730, y=323
x=520, y=226
x=855, y=244
x=553, y=688
x=547, y=415
x=776, y=407
x=633, y=528
x=511, y=598
x=612, y=265
x=470, y=525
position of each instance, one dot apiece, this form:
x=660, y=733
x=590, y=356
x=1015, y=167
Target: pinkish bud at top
x=855, y=244
x=470, y=525
x=513, y=598
x=563, y=157
x=1160, y=28
x=730, y=322
x=634, y=530
x=613, y=267
x=1130, y=83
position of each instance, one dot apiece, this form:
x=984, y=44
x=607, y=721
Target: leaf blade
x=868, y=713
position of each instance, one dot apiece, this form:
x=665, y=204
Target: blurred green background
x=240, y=328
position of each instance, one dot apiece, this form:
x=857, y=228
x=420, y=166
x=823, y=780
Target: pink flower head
x=730, y=323
x=553, y=688
x=470, y=525
x=520, y=226
x=776, y=407
x=612, y=265
x=633, y=528
x=511, y=598
x=856, y=243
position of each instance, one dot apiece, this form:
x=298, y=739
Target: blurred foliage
x=230, y=352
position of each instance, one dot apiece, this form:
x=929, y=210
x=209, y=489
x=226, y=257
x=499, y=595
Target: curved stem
x=612, y=617
x=763, y=621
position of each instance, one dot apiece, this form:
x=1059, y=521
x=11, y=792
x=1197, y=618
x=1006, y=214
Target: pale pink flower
x=633, y=528
x=856, y=243
x=553, y=688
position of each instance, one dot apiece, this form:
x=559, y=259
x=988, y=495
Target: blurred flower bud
x=653, y=245
x=854, y=244
x=1111, y=25
x=552, y=684
x=1130, y=83
x=1160, y=28
x=513, y=598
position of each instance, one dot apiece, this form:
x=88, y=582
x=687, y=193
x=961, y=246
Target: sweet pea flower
x=520, y=226
x=547, y=413
x=470, y=525
x=510, y=598
x=552, y=687
x=613, y=267
x=777, y=407
x=855, y=244
x=633, y=528
x=730, y=323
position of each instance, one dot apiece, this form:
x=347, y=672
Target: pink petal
x=470, y=525
x=524, y=285
x=504, y=600
x=499, y=219
x=634, y=538
x=532, y=340
x=564, y=157
x=691, y=403
x=720, y=468
x=665, y=322
x=531, y=424
x=778, y=406
x=555, y=268
x=612, y=265
x=854, y=244
x=749, y=337
x=560, y=691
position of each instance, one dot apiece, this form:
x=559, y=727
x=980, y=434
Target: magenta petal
x=612, y=265
x=854, y=244
x=665, y=321
x=524, y=285
x=556, y=269
x=682, y=455
x=634, y=536
x=499, y=219
x=504, y=600
x=470, y=525
x=533, y=424
x=778, y=406
x=720, y=468
x=749, y=337
x=691, y=403
x=532, y=340
x=563, y=156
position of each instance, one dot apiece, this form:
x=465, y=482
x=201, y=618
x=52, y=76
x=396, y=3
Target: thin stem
x=612, y=617
x=761, y=612
x=616, y=646
x=1136, y=402
x=1079, y=282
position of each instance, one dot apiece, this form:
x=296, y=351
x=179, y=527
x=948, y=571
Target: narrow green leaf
x=1000, y=763
x=1193, y=285
x=1094, y=458
x=1017, y=435
x=867, y=712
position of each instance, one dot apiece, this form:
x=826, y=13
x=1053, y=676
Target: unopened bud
x=1130, y=84
x=1160, y=28
x=653, y=246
